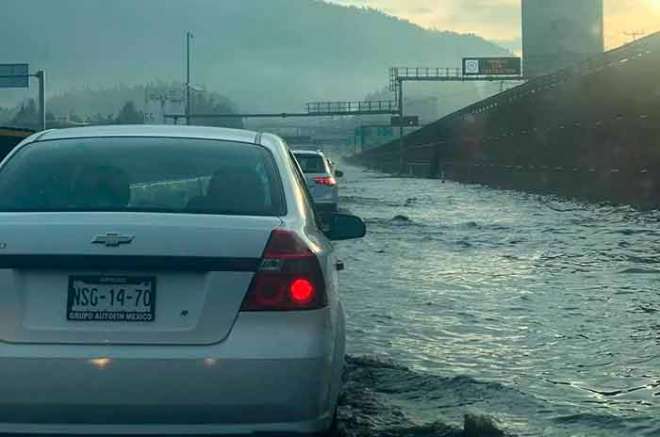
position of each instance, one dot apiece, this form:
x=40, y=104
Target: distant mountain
x=263, y=54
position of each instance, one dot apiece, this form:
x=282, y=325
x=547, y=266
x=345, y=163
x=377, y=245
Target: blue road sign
x=14, y=76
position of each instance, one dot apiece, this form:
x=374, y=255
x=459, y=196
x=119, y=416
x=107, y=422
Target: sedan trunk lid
x=191, y=271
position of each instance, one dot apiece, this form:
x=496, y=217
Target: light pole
x=402, y=161
x=189, y=36
x=41, y=75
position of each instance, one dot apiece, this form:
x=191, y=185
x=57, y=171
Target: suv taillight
x=289, y=278
x=325, y=180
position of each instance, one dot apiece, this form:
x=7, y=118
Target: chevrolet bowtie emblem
x=113, y=239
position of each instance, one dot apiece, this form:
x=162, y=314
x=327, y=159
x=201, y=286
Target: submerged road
x=539, y=312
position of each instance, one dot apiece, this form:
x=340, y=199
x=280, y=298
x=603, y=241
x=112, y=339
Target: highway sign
x=14, y=76
x=492, y=67
x=408, y=121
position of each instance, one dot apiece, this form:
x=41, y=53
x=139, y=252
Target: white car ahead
x=321, y=179
x=165, y=280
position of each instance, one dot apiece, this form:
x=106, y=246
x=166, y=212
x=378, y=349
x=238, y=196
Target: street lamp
x=189, y=37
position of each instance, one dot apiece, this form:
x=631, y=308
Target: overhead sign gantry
x=18, y=76
x=473, y=69
x=314, y=109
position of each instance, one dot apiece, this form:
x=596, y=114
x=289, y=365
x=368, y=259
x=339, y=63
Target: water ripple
x=490, y=303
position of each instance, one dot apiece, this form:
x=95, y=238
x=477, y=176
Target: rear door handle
x=340, y=266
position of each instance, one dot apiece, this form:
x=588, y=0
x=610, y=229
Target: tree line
x=26, y=114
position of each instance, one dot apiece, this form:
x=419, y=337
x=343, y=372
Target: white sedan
x=165, y=280
x=321, y=179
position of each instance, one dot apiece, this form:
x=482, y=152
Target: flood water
x=540, y=313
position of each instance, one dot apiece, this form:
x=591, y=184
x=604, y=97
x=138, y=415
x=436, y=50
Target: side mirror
x=339, y=174
x=345, y=227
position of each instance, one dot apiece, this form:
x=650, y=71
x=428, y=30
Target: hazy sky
x=499, y=20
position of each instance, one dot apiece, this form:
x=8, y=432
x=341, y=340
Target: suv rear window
x=311, y=163
x=170, y=175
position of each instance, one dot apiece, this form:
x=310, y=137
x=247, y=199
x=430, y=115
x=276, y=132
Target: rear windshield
x=170, y=175
x=311, y=163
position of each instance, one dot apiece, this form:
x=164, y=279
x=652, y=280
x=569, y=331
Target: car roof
x=169, y=131
x=308, y=152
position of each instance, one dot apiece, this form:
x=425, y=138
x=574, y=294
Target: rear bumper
x=226, y=388
x=326, y=196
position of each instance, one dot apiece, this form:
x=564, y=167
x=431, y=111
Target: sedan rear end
x=320, y=179
x=162, y=285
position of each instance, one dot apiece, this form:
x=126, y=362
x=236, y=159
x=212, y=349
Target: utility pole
x=189, y=36
x=41, y=76
x=401, y=145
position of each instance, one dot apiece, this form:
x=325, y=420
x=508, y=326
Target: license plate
x=111, y=299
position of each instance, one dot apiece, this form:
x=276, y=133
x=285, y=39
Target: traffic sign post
x=18, y=76
x=41, y=76
x=474, y=69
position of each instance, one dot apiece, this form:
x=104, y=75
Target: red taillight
x=289, y=277
x=286, y=245
x=302, y=291
x=325, y=180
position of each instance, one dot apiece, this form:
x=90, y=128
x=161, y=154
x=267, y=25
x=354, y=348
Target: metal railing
x=632, y=52
x=348, y=107
x=420, y=73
